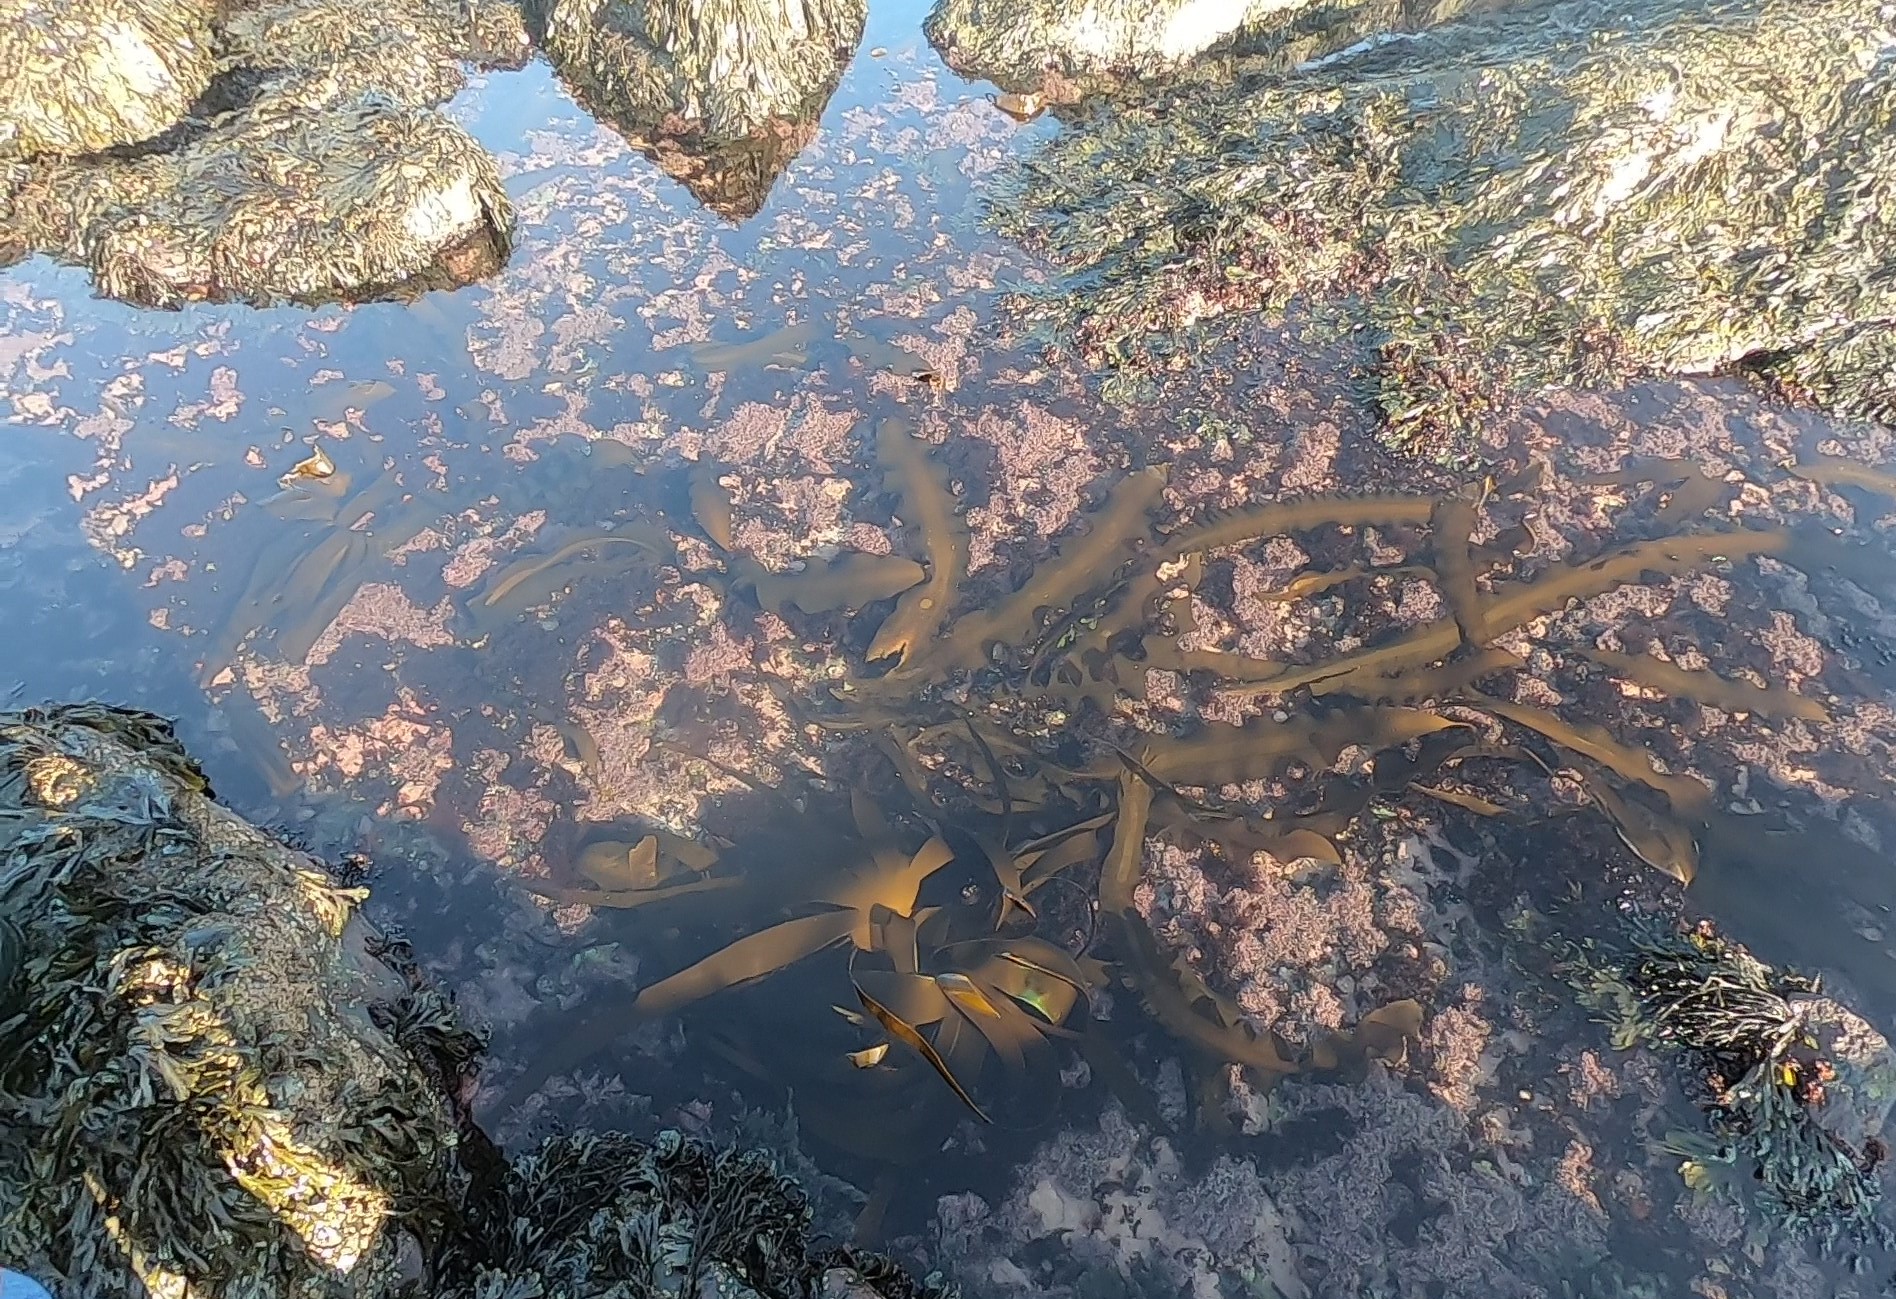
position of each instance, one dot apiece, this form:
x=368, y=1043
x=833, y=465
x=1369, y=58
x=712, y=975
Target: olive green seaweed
x=196, y=1102
x=1557, y=194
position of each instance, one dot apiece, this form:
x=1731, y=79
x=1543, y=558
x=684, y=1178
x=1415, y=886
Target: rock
x=720, y=69
x=1059, y=49
x=408, y=50
x=78, y=76
x=1502, y=208
x=1017, y=43
x=220, y=1115
x=312, y=193
x=721, y=95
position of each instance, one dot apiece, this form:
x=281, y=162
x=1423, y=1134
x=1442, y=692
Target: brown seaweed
x=629, y=899
x=849, y=580
x=1452, y=525
x=501, y=593
x=1223, y=754
x=1688, y=796
x=257, y=741
x=888, y=882
x=1835, y=471
x=786, y=346
x=1707, y=687
x=1125, y=860
x=1202, y=1021
x=910, y=1037
x=1445, y=681
x=1688, y=490
x=1270, y=520
x=301, y=626
x=1517, y=604
x=614, y=865
x=928, y=503
x=1661, y=842
x=1113, y=536
x=1316, y=582
x=711, y=503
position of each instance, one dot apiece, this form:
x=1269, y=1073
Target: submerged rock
x=78, y=76
x=721, y=95
x=1501, y=207
x=311, y=194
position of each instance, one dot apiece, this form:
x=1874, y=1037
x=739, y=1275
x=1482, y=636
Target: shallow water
x=576, y=390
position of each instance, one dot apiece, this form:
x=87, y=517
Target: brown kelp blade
x=711, y=503
x=1040, y=866
x=927, y=503
x=1707, y=687
x=968, y=999
x=916, y=999
x=911, y=1038
x=1010, y=1031
x=645, y=542
x=1114, y=535
x=1383, y=1034
x=1221, y=754
x=1453, y=525
x=1835, y=471
x=1256, y=521
x=895, y=888
x=751, y=957
x=1125, y=860
x=617, y=866
x=787, y=345
x=628, y=899
x=1662, y=842
x=1458, y=798
x=1178, y=1011
x=1514, y=605
x=1007, y=868
x=1688, y=796
x=847, y=581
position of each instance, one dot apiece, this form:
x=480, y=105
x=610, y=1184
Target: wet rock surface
x=314, y=170
x=721, y=96
x=1400, y=194
x=79, y=78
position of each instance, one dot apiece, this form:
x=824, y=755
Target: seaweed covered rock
x=312, y=193
x=1016, y=43
x=610, y=1217
x=200, y=1097
x=408, y=50
x=721, y=95
x=78, y=76
x=723, y=69
x=1797, y=1088
x=1501, y=207
x=1057, y=48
